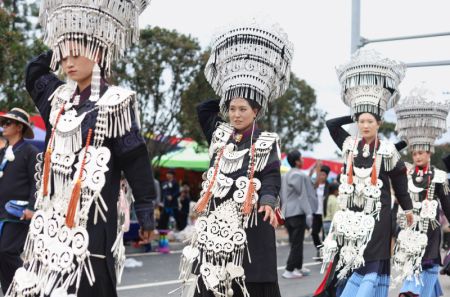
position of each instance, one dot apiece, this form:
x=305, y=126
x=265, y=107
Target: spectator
x=170, y=192
x=332, y=206
x=321, y=187
x=297, y=200
x=17, y=189
x=183, y=208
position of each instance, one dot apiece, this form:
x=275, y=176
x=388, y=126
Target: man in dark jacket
x=17, y=190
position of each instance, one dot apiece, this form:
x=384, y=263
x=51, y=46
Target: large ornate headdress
x=370, y=82
x=251, y=62
x=99, y=27
x=421, y=120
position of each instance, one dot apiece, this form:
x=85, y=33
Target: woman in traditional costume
x=233, y=251
x=420, y=121
x=74, y=245
x=358, y=237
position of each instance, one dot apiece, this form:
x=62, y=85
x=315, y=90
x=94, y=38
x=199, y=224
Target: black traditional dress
x=233, y=253
x=359, y=230
x=417, y=253
x=99, y=137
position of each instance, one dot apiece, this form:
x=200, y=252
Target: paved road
x=159, y=274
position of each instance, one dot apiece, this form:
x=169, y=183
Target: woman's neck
x=83, y=84
x=369, y=140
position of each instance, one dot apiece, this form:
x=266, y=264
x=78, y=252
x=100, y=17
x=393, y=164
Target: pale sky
x=320, y=31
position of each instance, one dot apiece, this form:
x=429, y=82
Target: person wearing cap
x=233, y=250
x=170, y=190
x=298, y=200
x=93, y=135
x=421, y=120
x=321, y=188
x=17, y=187
x=359, y=240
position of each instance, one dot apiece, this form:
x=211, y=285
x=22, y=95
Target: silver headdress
x=99, y=27
x=251, y=62
x=420, y=120
x=370, y=82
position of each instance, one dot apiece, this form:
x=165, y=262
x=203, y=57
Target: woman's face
x=421, y=158
x=368, y=125
x=241, y=114
x=77, y=67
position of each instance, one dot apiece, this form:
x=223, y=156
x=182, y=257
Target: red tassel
x=323, y=285
x=45, y=179
x=72, y=209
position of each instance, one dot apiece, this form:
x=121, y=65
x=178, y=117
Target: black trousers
x=316, y=227
x=295, y=226
x=12, y=241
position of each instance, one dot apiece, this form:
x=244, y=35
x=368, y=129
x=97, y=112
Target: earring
x=95, y=84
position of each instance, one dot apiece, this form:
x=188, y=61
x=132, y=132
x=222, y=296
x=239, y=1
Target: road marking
x=149, y=285
x=152, y=254
x=176, y=281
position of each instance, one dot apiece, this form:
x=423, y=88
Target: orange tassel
x=72, y=209
x=350, y=173
x=48, y=155
x=76, y=191
x=47, y=160
x=373, y=177
x=247, y=207
x=203, y=202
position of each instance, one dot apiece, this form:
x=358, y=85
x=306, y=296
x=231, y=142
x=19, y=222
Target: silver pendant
x=419, y=179
x=366, y=151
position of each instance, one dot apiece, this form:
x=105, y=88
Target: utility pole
x=357, y=41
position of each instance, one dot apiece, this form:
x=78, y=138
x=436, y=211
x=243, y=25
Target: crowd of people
x=62, y=221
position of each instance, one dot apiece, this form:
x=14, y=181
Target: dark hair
x=333, y=187
x=253, y=104
x=293, y=156
x=376, y=116
x=325, y=169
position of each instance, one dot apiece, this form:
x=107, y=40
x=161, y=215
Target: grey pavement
x=159, y=273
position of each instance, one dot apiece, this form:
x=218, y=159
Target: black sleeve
x=446, y=161
x=208, y=117
x=401, y=145
x=132, y=156
x=40, y=83
x=270, y=180
x=445, y=200
x=31, y=167
x=138, y=172
x=336, y=131
x=400, y=185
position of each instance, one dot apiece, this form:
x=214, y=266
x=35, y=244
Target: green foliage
x=17, y=47
x=387, y=129
x=159, y=68
x=199, y=90
x=295, y=117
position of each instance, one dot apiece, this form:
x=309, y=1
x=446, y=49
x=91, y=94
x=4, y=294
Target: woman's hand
x=269, y=214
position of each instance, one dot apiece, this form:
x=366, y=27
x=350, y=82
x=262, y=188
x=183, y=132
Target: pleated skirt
x=371, y=280
x=430, y=286
x=254, y=289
